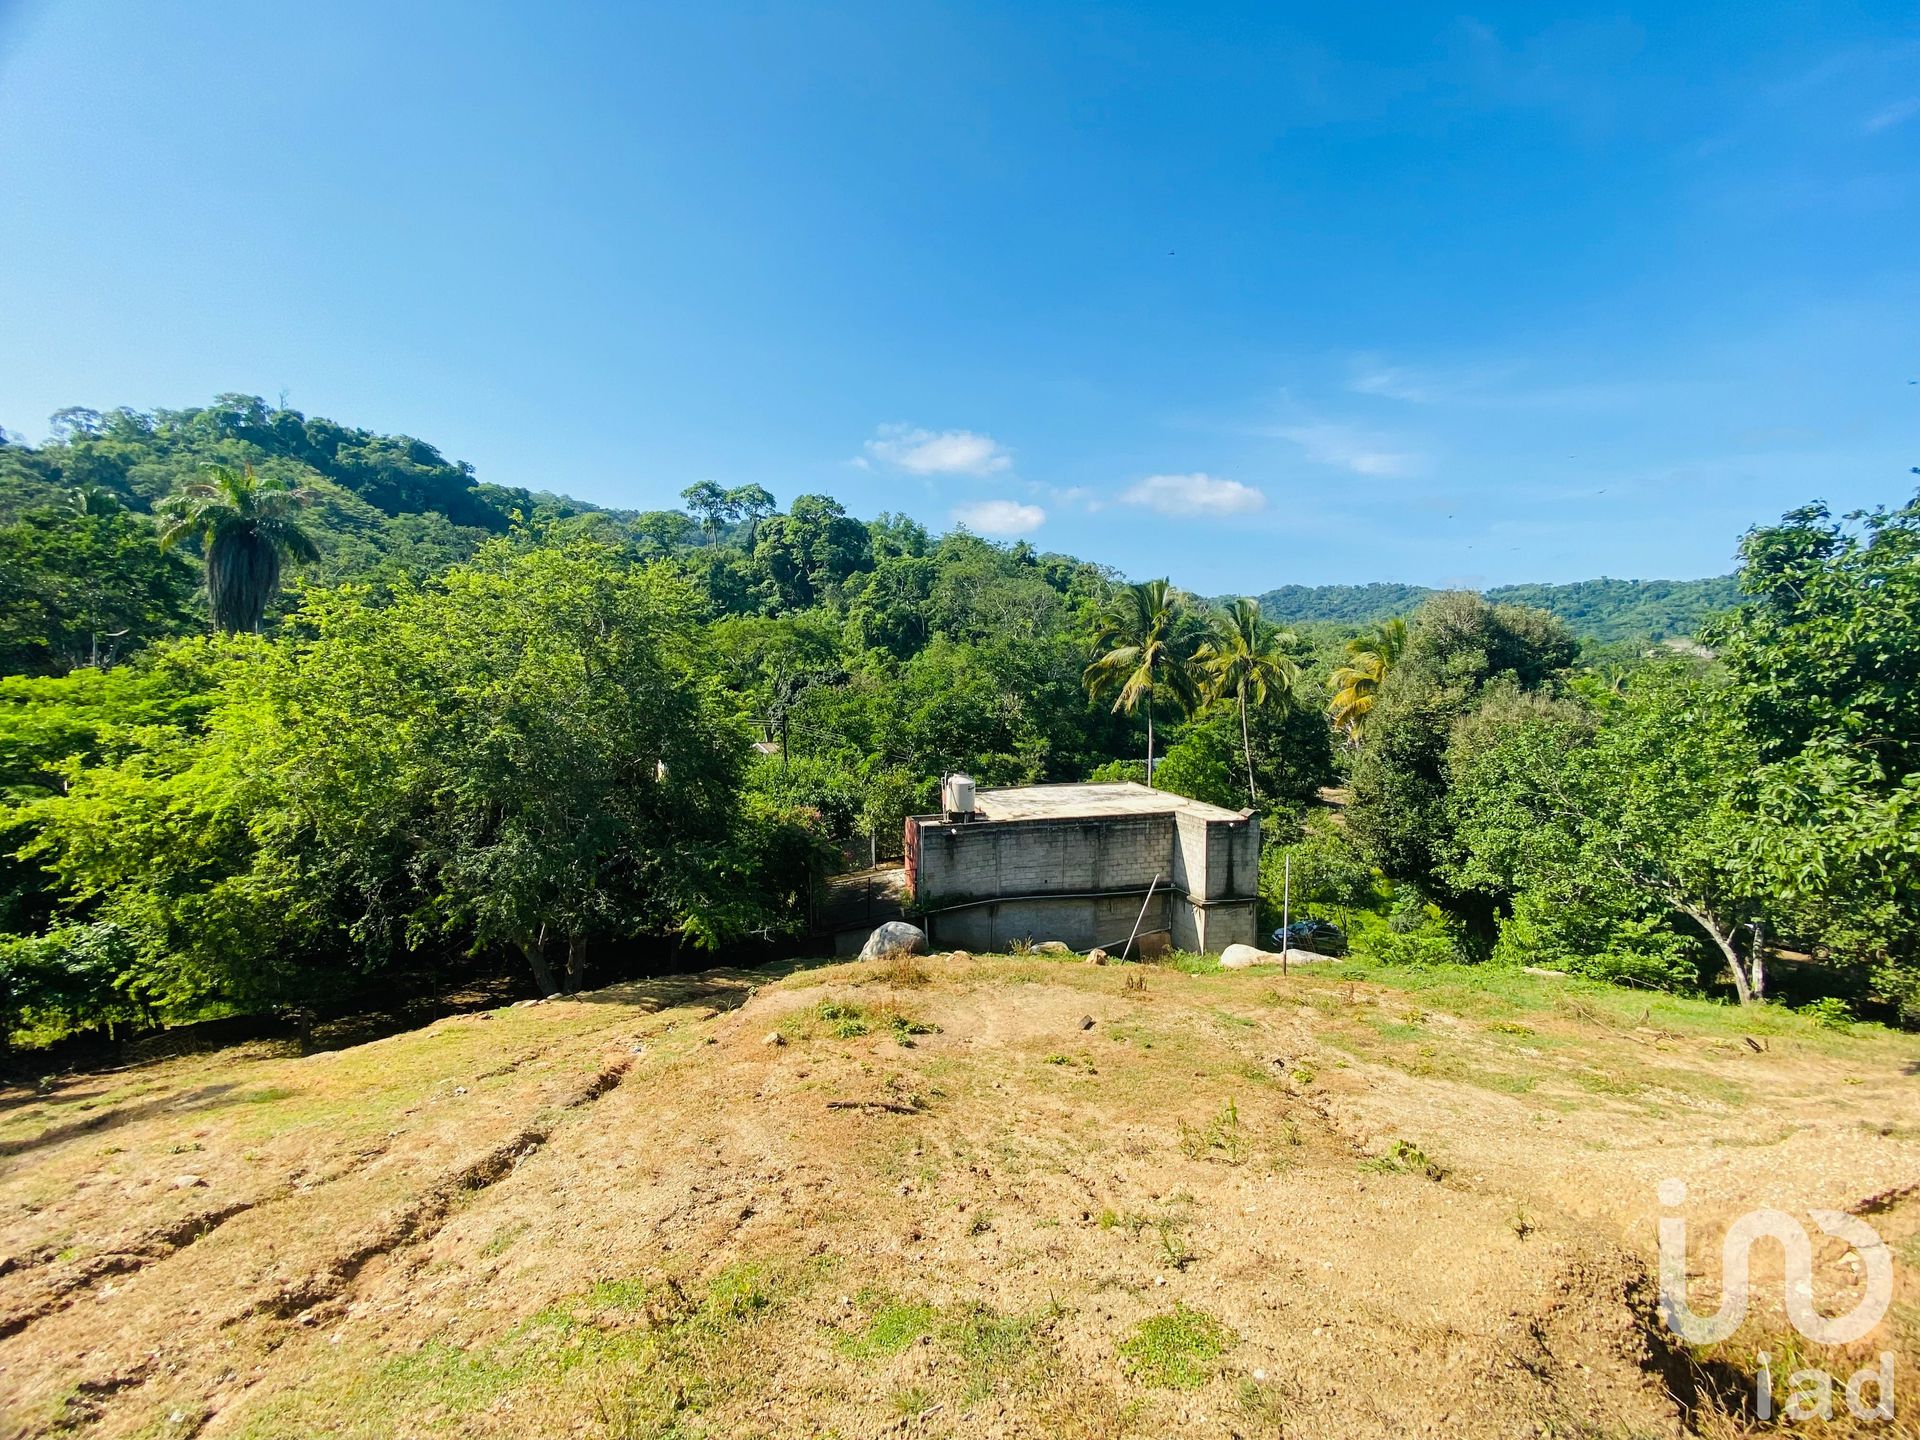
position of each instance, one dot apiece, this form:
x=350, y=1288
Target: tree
x=1639, y=814
x=86, y=588
x=533, y=744
x=1144, y=652
x=1456, y=645
x=95, y=500
x=1322, y=868
x=1246, y=660
x=528, y=754
x=750, y=504
x=246, y=527
x=1356, y=684
x=1825, y=662
x=809, y=552
x=894, y=534
x=711, y=506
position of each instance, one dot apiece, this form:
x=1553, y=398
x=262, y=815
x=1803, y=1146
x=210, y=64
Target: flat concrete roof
x=1079, y=802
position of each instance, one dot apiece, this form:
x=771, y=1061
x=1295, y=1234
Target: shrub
x=66, y=979
x=1431, y=945
x=1584, y=937
x=1829, y=1012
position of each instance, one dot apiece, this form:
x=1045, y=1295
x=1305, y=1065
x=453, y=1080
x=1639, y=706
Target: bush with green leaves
x=529, y=753
x=71, y=976
x=1587, y=936
x=1323, y=870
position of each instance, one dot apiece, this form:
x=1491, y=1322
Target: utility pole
x=1286, y=907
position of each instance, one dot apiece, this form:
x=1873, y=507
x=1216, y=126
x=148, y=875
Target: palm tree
x=1357, y=683
x=93, y=500
x=1141, y=652
x=246, y=525
x=1246, y=660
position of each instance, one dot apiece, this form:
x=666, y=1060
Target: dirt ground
x=977, y=1197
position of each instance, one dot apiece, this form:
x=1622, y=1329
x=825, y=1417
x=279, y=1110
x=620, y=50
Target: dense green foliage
x=477, y=722
x=1663, y=820
x=449, y=720
x=84, y=586
x=1602, y=610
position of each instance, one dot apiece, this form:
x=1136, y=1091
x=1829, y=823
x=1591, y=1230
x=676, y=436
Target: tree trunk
x=576, y=962
x=1757, y=962
x=1246, y=744
x=1149, y=737
x=1725, y=943
x=535, y=951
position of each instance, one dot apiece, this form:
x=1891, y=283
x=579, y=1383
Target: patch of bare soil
x=997, y=1198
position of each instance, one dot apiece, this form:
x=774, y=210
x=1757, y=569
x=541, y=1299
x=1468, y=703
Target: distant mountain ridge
x=1604, y=610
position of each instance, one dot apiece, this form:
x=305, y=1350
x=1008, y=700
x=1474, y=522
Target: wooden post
x=1140, y=919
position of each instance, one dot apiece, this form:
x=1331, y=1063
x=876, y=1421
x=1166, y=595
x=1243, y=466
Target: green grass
x=1188, y=962
x=891, y=1328
x=1220, y=1139
x=1403, y=1157
x=996, y=1350
x=504, y=1238
x=848, y=1020
x=649, y=1354
x=992, y=1349
x=1178, y=1350
x=911, y=1402
x=1506, y=993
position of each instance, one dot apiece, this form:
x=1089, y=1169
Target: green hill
x=1603, y=610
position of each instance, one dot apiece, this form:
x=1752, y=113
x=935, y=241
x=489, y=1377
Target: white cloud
x=1000, y=517
x=938, y=452
x=1897, y=113
x=1076, y=497
x=1395, y=382
x=1350, y=450
x=1195, y=494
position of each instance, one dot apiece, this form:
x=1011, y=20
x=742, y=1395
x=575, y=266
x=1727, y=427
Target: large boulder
x=892, y=936
x=1242, y=957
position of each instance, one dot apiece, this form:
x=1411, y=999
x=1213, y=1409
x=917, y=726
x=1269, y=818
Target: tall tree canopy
x=247, y=529
x=1145, y=643
x=1457, y=644
x=1245, y=659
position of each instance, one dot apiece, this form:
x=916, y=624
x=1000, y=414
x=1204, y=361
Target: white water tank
x=956, y=796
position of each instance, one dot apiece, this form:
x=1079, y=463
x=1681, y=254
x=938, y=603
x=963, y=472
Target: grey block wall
x=984, y=859
x=1082, y=881
x=1079, y=923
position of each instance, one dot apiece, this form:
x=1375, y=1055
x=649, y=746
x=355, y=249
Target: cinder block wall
x=984, y=859
x=1081, y=924
x=1052, y=880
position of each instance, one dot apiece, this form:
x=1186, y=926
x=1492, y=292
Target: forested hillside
x=288, y=709
x=1603, y=610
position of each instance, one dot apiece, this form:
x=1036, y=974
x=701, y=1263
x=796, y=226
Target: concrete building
x=1076, y=863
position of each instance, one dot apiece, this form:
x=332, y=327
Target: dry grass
x=944, y=1202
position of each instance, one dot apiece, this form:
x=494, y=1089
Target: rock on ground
x=1240, y=957
x=894, y=935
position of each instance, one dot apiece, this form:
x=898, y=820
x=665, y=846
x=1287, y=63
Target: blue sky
x=1245, y=294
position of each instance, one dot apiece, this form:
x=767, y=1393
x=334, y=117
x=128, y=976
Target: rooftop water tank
x=957, y=797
